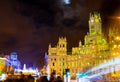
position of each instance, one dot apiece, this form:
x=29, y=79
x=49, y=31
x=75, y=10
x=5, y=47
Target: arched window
x=53, y=64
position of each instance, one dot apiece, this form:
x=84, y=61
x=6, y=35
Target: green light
x=1, y=62
x=67, y=72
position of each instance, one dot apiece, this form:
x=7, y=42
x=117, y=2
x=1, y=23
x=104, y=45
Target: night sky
x=28, y=26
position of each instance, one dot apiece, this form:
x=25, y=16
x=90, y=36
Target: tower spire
x=95, y=24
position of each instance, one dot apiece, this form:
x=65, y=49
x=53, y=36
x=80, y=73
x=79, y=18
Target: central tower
x=95, y=24
x=95, y=35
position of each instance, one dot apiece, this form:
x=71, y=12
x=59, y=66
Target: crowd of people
x=30, y=78
x=52, y=79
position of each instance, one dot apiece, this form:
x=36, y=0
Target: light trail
x=105, y=71
x=111, y=62
x=98, y=76
x=111, y=69
x=111, y=66
x=100, y=73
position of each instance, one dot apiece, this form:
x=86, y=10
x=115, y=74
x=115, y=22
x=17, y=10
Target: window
x=92, y=30
x=53, y=64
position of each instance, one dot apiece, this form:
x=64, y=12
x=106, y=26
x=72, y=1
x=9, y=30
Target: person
x=30, y=78
x=59, y=79
x=22, y=75
x=52, y=78
x=43, y=79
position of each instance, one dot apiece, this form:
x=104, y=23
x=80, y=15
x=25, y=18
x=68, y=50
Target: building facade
x=95, y=51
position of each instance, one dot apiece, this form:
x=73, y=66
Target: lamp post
x=67, y=73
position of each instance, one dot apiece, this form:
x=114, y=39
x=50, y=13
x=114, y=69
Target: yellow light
x=93, y=46
x=115, y=17
x=118, y=17
x=117, y=53
x=115, y=46
x=104, y=60
x=113, y=54
x=88, y=63
x=117, y=38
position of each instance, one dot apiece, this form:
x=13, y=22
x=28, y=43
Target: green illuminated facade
x=96, y=50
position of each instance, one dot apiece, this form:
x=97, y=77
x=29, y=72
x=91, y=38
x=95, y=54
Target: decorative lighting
x=117, y=38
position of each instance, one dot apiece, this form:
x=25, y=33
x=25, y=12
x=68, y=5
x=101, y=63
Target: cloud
x=28, y=26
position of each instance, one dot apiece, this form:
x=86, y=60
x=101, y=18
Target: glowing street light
x=117, y=38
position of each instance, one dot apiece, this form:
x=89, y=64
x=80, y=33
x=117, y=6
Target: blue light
x=67, y=1
x=82, y=74
x=68, y=73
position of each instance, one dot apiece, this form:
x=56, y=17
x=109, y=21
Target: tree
x=40, y=62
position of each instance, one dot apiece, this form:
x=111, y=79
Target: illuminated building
x=96, y=50
x=57, y=56
x=3, y=66
x=11, y=62
x=14, y=60
x=114, y=43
